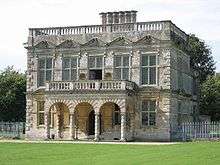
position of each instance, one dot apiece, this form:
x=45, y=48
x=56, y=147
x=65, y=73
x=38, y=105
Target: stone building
x=121, y=80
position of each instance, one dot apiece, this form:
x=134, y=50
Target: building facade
x=121, y=80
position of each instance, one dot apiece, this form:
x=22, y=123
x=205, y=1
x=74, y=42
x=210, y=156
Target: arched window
x=116, y=116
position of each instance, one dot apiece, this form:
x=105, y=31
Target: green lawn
x=199, y=153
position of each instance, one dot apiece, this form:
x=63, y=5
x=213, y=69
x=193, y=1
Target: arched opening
x=110, y=117
x=59, y=119
x=85, y=120
x=91, y=123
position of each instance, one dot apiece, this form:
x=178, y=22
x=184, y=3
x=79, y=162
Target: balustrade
x=89, y=85
x=139, y=26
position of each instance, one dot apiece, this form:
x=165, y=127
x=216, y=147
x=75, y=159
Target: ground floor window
x=116, y=115
x=148, y=112
x=40, y=113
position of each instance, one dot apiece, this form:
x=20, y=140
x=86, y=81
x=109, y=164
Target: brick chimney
x=118, y=17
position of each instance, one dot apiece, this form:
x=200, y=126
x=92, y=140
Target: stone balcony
x=90, y=85
x=109, y=28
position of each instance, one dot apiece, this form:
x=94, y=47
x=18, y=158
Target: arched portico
x=84, y=119
x=113, y=119
x=57, y=118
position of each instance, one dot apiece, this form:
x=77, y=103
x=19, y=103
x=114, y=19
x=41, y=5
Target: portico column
x=123, y=126
x=72, y=126
x=47, y=125
x=97, y=126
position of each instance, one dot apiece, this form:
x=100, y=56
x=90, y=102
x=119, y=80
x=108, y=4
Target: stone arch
x=93, y=103
x=50, y=103
x=84, y=117
x=119, y=102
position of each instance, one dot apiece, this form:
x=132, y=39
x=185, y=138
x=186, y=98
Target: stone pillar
x=58, y=124
x=47, y=125
x=97, y=126
x=123, y=126
x=72, y=127
x=132, y=121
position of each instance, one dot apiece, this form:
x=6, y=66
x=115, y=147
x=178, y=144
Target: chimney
x=118, y=17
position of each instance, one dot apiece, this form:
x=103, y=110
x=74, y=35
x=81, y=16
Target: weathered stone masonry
x=121, y=80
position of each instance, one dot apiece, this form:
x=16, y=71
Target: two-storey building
x=121, y=80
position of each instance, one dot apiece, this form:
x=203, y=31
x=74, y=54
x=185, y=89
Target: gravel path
x=88, y=142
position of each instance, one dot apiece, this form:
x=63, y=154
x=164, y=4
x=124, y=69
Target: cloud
x=193, y=16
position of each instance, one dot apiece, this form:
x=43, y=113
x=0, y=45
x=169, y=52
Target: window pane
x=48, y=75
x=152, y=60
x=41, y=78
x=92, y=62
x=125, y=60
x=117, y=118
x=98, y=62
x=73, y=74
x=144, y=75
x=66, y=62
x=117, y=61
x=144, y=61
x=66, y=74
x=153, y=75
x=41, y=63
x=144, y=105
x=117, y=74
x=144, y=118
x=40, y=106
x=152, y=118
x=41, y=118
x=125, y=73
x=49, y=63
x=74, y=62
x=152, y=106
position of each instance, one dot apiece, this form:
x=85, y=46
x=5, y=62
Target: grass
x=201, y=153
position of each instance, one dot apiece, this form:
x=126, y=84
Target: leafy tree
x=12, y=95
x=201, y=58
x=210, y=97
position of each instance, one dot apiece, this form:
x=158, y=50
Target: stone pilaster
x=97, y=126
x=47, y=125
x=123, y=126
x=58, y=124
x=72, y=127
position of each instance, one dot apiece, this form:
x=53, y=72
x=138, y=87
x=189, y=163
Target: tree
x=210, y=97
x=201, y=58
x=12, y=95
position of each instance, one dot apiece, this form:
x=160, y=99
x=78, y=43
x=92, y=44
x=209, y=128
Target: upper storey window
x=149, y=69
x=69, y=71
x=44, y=70
x=121, y=67
x=95, y=62
x=95, y=67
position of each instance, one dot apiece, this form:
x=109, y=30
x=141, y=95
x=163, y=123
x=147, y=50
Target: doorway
x=91, y=124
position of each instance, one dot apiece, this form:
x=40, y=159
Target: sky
x=200, y=17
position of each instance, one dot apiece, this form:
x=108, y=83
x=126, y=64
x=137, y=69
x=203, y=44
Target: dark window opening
x=95, y=74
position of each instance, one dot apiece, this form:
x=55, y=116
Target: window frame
x=70, y=69
x=96, y=68
x=44, y=69
x=96, y=56
x=148, y=66
x=116, y=112
x=40, y=112
x=121, y=67
x=148, y=112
